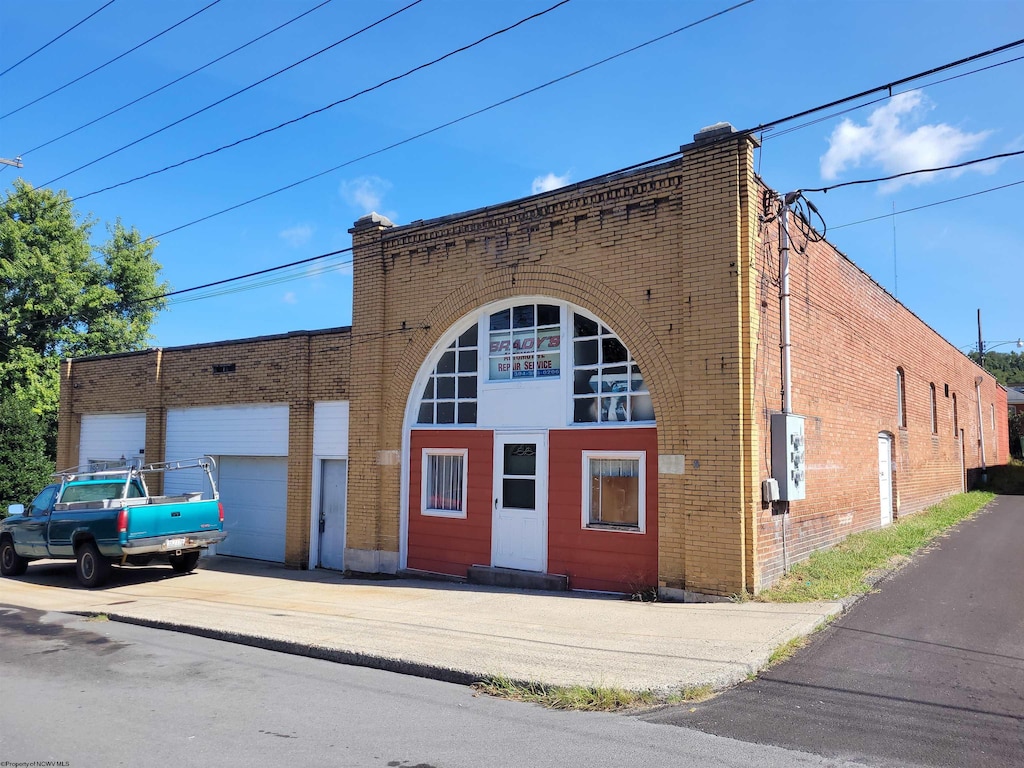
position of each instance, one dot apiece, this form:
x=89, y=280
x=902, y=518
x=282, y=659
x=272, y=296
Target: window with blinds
x=444, y=482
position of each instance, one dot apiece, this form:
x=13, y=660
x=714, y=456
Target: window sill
x=443, y=513
x=610, y=527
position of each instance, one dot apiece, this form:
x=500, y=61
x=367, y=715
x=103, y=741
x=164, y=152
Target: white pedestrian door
x=519, y=531
x=333, y=483
x=885, y=477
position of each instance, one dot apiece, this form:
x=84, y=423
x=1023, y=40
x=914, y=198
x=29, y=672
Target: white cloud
x=549, y=182
x=296, y=236
x=888, y=140
x=290, y=298
x=366, y=194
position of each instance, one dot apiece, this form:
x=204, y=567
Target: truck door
x=37, y=517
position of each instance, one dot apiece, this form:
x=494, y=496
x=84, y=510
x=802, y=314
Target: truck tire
x=185, y=562
x=11, y=563
x=91, y=567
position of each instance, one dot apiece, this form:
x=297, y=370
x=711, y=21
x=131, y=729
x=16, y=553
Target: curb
x=351, y=658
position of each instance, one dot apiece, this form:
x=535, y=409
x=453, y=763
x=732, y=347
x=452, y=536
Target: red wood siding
x=444, y=544
x=599, y=559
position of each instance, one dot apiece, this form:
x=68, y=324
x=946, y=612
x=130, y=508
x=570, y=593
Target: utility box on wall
x=788, y=449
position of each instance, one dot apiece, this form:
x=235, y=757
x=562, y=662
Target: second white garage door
x=254, y=494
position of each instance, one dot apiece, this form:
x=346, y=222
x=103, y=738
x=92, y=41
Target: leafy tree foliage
x=60, y=298
x=1016, y=434
x=24, y=468
x=1007, y=367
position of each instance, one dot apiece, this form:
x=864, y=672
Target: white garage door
x=249, y=443
x=112, y=436
x=253, y=492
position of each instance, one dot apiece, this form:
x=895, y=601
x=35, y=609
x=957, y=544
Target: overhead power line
x=301, y=117
x=729, y=137
x=177, y=79
x=930, y=205
x=832, y=115
x=284, y=277
x=108, y=63
x=267, y=271
x=457, y=120
x=312, y=259
x=233, y=95
x=58, y=37
x=965, y=164
x=886, y=87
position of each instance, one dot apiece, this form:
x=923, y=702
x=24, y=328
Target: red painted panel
x=599, y=559
x=444, y=544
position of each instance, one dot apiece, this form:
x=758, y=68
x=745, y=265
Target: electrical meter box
x=788, y=451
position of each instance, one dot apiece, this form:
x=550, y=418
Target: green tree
x=1016, y=434
x=24, y=467
x=60, y=297
x=1007, y=367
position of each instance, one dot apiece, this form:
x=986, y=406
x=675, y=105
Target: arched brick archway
x=578, y=289
x=575, y=287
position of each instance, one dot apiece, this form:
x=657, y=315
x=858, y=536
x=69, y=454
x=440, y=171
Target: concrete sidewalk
x=453, y=632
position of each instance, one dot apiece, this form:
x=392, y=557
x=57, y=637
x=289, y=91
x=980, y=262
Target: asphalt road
x=96, y=693
x=929, y=670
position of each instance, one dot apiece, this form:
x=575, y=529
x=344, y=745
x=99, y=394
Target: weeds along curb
x=856, y=564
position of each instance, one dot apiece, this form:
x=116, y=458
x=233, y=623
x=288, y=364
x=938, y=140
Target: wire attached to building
x=965, y=164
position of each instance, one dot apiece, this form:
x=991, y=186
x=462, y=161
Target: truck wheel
x=92, y=568
x=184, y=563
x=11, y=563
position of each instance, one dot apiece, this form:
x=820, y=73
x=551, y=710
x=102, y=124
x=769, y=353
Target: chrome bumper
x=172, y=544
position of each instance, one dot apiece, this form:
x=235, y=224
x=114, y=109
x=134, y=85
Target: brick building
x=580, y=384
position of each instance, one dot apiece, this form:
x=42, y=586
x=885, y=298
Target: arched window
x=505, y=367
x=901, y=398
x=607, y=383
x=449, y=396
x=935, y=410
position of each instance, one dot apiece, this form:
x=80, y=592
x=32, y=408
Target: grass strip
x=852, y=566
x=585, y=698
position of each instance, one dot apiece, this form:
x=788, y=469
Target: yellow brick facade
x=297, y=369
x=662, y=256
x=671, y=258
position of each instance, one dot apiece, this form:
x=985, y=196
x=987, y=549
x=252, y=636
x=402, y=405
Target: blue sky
x=752, y=65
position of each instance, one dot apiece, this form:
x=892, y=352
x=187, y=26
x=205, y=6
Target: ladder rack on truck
x=132, y=470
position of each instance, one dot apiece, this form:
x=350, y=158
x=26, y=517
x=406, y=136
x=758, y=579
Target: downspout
x=787, y=393
x=787, y=379
x=981, y=429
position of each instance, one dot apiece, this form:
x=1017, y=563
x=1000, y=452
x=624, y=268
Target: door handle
x=495, y=503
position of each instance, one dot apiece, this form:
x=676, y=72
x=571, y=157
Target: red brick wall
x=451, y=545
x=848, y=338
x=599, y=559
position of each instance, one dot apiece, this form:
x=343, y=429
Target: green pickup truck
x=103, y=517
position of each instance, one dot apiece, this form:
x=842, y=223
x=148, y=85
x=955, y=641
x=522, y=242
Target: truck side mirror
x=16, y=509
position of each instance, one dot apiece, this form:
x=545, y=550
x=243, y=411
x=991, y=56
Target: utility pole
x=16, y=162
x=981, y=344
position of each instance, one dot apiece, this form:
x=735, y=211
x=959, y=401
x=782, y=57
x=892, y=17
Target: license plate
x=174, y=543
